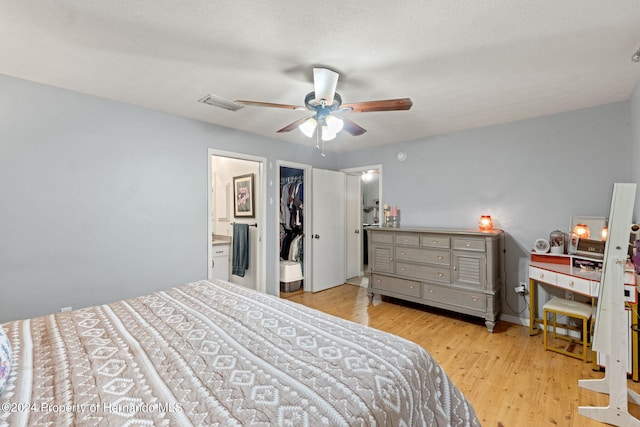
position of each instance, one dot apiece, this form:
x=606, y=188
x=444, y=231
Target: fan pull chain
x=319, y=138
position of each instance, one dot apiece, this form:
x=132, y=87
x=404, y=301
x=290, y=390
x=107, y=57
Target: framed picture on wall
x=243, y=206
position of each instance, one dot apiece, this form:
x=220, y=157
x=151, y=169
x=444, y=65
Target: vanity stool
x=574, y=309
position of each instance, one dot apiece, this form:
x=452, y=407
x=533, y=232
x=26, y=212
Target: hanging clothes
x=296, y=246
x=291, y=217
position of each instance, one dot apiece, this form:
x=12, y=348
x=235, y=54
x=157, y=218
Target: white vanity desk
x=558, y=271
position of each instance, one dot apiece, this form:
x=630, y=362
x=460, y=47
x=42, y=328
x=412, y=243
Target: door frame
x=306, y=227
x=261, y=212
x=360, y=169
x=353, y=187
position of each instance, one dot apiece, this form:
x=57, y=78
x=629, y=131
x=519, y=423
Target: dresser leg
x=490, y=324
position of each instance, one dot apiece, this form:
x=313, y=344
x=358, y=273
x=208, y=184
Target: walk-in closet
x=291, y=229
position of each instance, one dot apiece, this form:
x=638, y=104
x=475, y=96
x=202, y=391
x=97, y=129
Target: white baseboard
x=514, y=319
x=525, y=322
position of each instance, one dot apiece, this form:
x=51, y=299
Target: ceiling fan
x=328, y=116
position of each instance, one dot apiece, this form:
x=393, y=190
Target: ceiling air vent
x=221, y=102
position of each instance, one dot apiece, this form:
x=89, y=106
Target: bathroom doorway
x=229, y=173
x=364, y=193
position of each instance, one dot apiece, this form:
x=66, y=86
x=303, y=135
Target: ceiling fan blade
x=324, y=84
x=294, y=125
x=269, y=104
x=381, y=105
x=351, y=127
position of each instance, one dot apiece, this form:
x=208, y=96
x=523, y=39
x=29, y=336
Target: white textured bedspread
x=213, y=353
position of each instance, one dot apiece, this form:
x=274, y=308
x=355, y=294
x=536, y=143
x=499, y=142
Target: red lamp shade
x=485, y=223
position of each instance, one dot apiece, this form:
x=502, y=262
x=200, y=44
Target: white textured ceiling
x=465, y=63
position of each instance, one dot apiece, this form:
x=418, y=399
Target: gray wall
x=101, y=200
x=530, y=176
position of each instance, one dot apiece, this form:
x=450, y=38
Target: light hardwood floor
x=507, y=376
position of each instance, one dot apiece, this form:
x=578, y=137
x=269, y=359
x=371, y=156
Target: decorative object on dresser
x=454, y=269
x=485, y=223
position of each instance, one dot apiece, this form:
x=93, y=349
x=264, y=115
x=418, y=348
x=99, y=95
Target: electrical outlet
x=520, y=289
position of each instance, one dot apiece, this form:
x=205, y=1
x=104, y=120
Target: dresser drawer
x=408, y=239
x=431, y=256
x=393, y=284
x=574, y=284
x=424, y=272
x=381, y=237
x=541, y=275
x=468, y=244
x=434, y=241
x=455, y=297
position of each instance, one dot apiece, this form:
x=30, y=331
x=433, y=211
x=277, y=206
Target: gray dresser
x=454, y=269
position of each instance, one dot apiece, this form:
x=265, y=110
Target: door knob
x=315, y=236
x=357, y=231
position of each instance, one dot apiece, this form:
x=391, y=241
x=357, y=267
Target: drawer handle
x=378, y=280
x=403, y=253
x=440, y=274
x=432, y=291
x=467, y=244
x=440, y=257
x=410, y=286
x=542, y=275
x=571, y=284
x=435, y=242
x=403, y=269
x=475, y=299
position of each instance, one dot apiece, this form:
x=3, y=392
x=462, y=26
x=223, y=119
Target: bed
x=214, y=353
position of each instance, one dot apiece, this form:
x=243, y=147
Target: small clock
x=541, y=246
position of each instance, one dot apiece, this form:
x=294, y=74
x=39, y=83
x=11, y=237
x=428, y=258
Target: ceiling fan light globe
x=327, y=135
x=308, y=126
x=334, y=124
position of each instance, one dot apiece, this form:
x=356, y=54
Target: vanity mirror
x=587, y=235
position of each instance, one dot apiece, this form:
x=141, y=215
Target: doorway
x=364, y=193
x=228, y=173
x=322, y=258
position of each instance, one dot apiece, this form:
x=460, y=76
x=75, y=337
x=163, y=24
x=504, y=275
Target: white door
x=327, y=229
x=354, y=226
